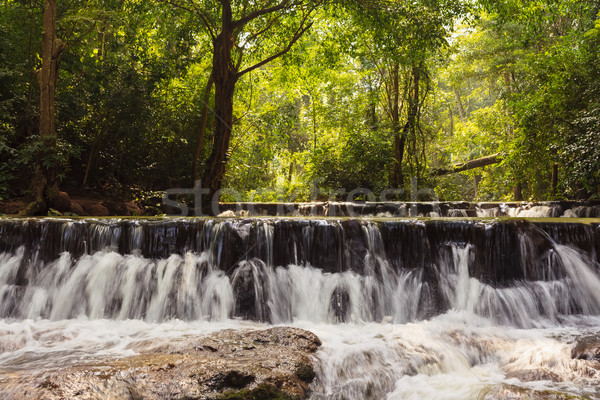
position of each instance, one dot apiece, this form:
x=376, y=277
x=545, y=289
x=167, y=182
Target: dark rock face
x=265, y=364
x=230, y=380
x=340, y=304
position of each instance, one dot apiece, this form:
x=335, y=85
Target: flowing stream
x=406, y=309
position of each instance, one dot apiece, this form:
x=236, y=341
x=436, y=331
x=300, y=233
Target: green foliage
x=513, y=77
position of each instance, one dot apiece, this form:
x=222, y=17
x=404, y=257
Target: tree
x=239, y=31
x=400, y=39
x=44, y=180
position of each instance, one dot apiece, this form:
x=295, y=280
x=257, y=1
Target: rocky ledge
x=265, y=364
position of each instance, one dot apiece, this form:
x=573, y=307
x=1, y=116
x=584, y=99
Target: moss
x=261, y=392
x=305, y=372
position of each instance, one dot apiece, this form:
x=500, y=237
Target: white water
x=453, y=356
x=111, y=305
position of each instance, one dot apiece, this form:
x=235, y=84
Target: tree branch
x=195, y=10
x=301, y=30
x=260, y=32
x=255, y=14
x=477, y=163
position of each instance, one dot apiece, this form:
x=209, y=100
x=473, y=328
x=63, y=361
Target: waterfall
x=282, y=271
x=405, y=308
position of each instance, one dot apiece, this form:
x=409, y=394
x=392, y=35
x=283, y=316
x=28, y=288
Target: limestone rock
x=587, y=348
x=265, y=364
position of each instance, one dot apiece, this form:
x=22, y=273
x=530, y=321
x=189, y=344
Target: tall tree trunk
x=51, y=51
x=399, y=138
x=225, y=77
x=554, y=182
x=202, y=132
x=518, y=192
x=43, y=184
x=411, y=117
x=459, y=105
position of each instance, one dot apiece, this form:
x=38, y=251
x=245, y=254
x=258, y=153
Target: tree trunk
x=202, y=132
x=477, y=163
x=43, y=184
x=399, y=138
x=518, y=192
x=554, y=183
x=51, y=51
x=459, y=105
x=411, y=117
x=225, y=77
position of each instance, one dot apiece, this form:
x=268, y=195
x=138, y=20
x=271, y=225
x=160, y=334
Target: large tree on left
x=44, y=184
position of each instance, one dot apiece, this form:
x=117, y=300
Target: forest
x=293, y=100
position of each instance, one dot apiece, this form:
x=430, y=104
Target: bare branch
x=255, y=14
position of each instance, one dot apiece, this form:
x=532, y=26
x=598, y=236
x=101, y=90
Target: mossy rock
x=305, y=372
x=261, y=392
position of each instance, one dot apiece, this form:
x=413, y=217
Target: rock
x=132, y=209
x=339, y=305
x=261, y=392
x=96, y=210
x=121, y=208
x=226, y=214
x=60, y=201
x=11, y=207
x=270, y=364
x=510, y=392
x=230, y=379
x=76, y=208
x=587, y=348
x=532, y=375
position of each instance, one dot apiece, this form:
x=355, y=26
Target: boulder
x=60, y=201
x=587, y=348
x=96, y=210
x=264, y=364
x=77, y=208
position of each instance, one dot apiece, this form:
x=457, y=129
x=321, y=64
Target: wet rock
x=261, y=392
x=340, y=304
x=531, y=375
x=305, y=372
x=77, y=208
x=60, y=201
x=587, y=348
x=271, y=364
x=230, y=379
x=96, y=210
x=510, y=392
x=117, y=207
x=247, y=305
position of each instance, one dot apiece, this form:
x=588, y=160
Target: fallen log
x=477, y=163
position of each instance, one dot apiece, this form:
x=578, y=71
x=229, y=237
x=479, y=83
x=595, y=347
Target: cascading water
x=405, y=308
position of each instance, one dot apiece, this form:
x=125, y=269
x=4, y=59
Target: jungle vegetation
x=276, y=100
